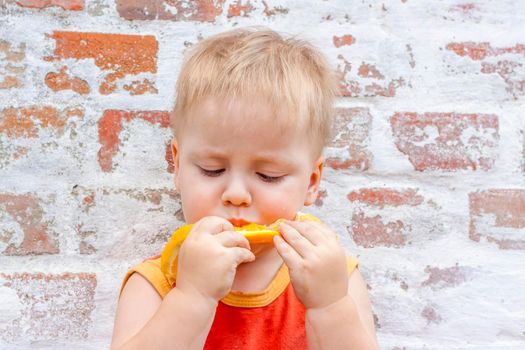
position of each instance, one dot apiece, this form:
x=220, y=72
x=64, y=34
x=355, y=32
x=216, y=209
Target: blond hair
x=259, y=63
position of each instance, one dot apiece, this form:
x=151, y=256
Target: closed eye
x=211, y=173
x=270, y=179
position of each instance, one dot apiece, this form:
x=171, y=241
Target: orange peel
x=255, y=233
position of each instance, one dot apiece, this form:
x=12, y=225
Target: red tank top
x=272, y=319
x=278, y=325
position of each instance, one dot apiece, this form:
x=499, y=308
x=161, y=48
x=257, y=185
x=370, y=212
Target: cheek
x=196, y=198
x=283, y=203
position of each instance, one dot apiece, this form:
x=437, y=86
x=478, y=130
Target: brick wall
x=425, y=178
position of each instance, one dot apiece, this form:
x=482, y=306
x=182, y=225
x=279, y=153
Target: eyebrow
x=261, y=158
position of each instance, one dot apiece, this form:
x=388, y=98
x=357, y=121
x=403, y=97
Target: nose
x=236, y=193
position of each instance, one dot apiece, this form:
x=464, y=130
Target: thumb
x=242, y=255
x=212, y=225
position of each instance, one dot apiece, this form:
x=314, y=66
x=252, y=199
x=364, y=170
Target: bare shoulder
x=357, y=288
x=137, y=304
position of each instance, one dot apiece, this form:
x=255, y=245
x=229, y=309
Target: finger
x=295, y=239
x=242, y=255
x=211, y=225
x=315, y=234
x=291, y=258
x=326, y=231
x=232, y=239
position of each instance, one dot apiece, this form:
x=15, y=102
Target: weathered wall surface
x=425, y=180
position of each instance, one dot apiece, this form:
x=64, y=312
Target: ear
x=175, y=155
x=315, y=180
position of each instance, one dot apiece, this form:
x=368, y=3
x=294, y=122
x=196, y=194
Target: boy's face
x=233, y=162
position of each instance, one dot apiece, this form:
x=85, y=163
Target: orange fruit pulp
x=255, y=233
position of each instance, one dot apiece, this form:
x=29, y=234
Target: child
x=252, y=114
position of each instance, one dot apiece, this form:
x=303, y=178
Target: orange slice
x=255, y=233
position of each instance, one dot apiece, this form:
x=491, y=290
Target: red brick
x=87, y=200
x=447, y=141
x=479, y=51
x=119, y=54
x=169, y=159
x=380, y=197
x=372, y=226
x=465, y=7
x=368, y=82
x=345, y=40
x=431, y=315
x=270, y=12
x=375, y=89
x=177, y=10
x=371, y=231
x=347, y=87
x=27, y=124
x=73, y=5
x=507, y=69
x=502, y=68
x=12, y=65
x=62, y=81
x=498, y=215
x=110, y=126
x=138, y=87
x=159, y=203
x=468, y=12
x=26, y=121
x=370, y=71
x=439, y=278
x=153, y=195
x=52, y=307
x=87, y=197
x=27, y=213
x=240, y=8
x=351, y=135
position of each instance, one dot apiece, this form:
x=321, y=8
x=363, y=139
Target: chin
x=261, y=248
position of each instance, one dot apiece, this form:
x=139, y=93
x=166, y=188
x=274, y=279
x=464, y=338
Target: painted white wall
x=438, y=289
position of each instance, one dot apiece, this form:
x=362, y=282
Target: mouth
x=238, y=222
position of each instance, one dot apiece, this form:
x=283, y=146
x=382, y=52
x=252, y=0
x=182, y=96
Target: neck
x=257, y=275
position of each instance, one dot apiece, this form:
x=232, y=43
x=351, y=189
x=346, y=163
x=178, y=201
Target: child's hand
x=209, y=257
x=316, y=261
